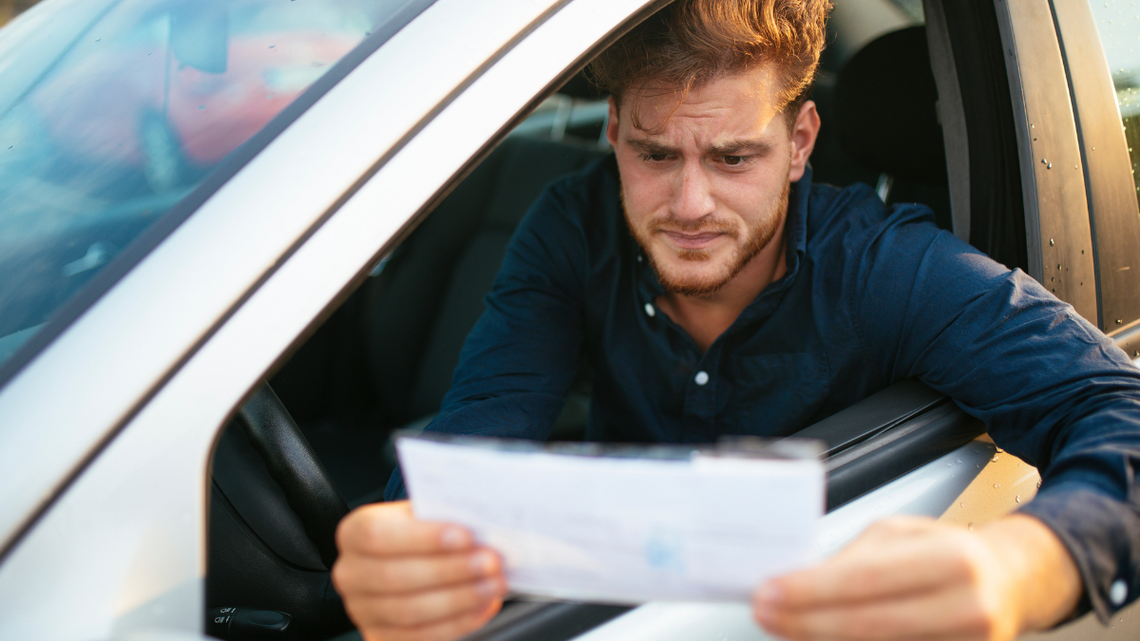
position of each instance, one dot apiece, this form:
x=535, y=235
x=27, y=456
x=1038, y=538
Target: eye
x=733, y=160
x=655, y=157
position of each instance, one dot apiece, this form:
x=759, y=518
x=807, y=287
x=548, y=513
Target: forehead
x=746, y=102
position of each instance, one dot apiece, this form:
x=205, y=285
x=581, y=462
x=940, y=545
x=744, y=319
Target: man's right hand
x=406, y=579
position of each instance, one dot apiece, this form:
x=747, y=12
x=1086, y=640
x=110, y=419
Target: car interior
x=316, y=440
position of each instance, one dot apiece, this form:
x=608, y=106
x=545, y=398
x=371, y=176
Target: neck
x=707, y=317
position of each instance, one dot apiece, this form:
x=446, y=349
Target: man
x=717, y=290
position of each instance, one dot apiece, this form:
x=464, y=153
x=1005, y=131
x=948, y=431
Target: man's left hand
x=916, y=578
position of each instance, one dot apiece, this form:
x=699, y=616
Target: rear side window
x=1119, y=24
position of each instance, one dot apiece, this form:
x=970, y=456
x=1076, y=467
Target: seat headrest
x=886, y=108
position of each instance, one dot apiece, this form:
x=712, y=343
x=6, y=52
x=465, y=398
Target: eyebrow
x=740, y=148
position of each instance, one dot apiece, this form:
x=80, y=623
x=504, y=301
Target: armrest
x=887, y=435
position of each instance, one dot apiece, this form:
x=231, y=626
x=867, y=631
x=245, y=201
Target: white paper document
x=622, y=529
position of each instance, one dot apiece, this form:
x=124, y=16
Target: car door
x=107, y=520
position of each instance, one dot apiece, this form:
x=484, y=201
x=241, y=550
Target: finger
x=446, y=630
x=388, y=575
x=952, y=614
x=426, y=607
x=390, y=529
x=878, y=567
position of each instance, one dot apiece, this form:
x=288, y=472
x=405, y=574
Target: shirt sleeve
x=521, y=357
x=1049, y=386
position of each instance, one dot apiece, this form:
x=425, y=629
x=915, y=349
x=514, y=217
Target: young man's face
x=709, y=192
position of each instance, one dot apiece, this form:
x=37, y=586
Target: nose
x=692, y=192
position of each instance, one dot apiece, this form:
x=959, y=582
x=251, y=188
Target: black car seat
x=384, y=360
x=438, y=278
x=886, y=113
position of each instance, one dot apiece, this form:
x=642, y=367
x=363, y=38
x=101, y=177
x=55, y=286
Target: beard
x=756, y=238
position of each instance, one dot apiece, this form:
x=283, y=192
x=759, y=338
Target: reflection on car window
x=1119, y=25
x=105, y=127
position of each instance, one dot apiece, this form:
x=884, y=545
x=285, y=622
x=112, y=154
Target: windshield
x=113, y=111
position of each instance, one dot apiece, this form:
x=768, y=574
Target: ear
x=805, y=131
x=612, y=123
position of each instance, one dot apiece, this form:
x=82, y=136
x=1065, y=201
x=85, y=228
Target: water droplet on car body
x=997, y=485
x=1017, y=499
x=994, y=459
x=970, y=527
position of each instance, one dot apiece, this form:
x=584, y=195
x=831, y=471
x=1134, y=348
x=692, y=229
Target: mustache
x=705, y=224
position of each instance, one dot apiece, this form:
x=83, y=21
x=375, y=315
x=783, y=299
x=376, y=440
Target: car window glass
x=1119, y=24
x=122, y=107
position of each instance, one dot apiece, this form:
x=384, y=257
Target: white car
x=199, y=197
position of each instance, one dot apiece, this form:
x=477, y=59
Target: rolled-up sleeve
x=1050, y=387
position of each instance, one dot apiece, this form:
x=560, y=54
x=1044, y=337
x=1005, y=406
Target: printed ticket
x=628, y=525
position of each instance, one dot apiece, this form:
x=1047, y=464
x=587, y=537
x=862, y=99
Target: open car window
x=384, y=359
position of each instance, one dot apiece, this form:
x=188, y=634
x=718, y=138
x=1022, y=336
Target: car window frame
x=1057, y=225
x=1107, y=165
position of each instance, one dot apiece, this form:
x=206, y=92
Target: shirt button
x=649, y=311
x=639, y=259
x=1118, y=593
x=701, y=378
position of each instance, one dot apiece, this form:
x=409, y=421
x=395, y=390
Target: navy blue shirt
x=872, y=295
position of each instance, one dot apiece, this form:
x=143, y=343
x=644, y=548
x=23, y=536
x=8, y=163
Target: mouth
x=696, y=240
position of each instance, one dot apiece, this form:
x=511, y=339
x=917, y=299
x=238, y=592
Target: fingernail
x=482, y=562
x=489, y=588
x=453, y=538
